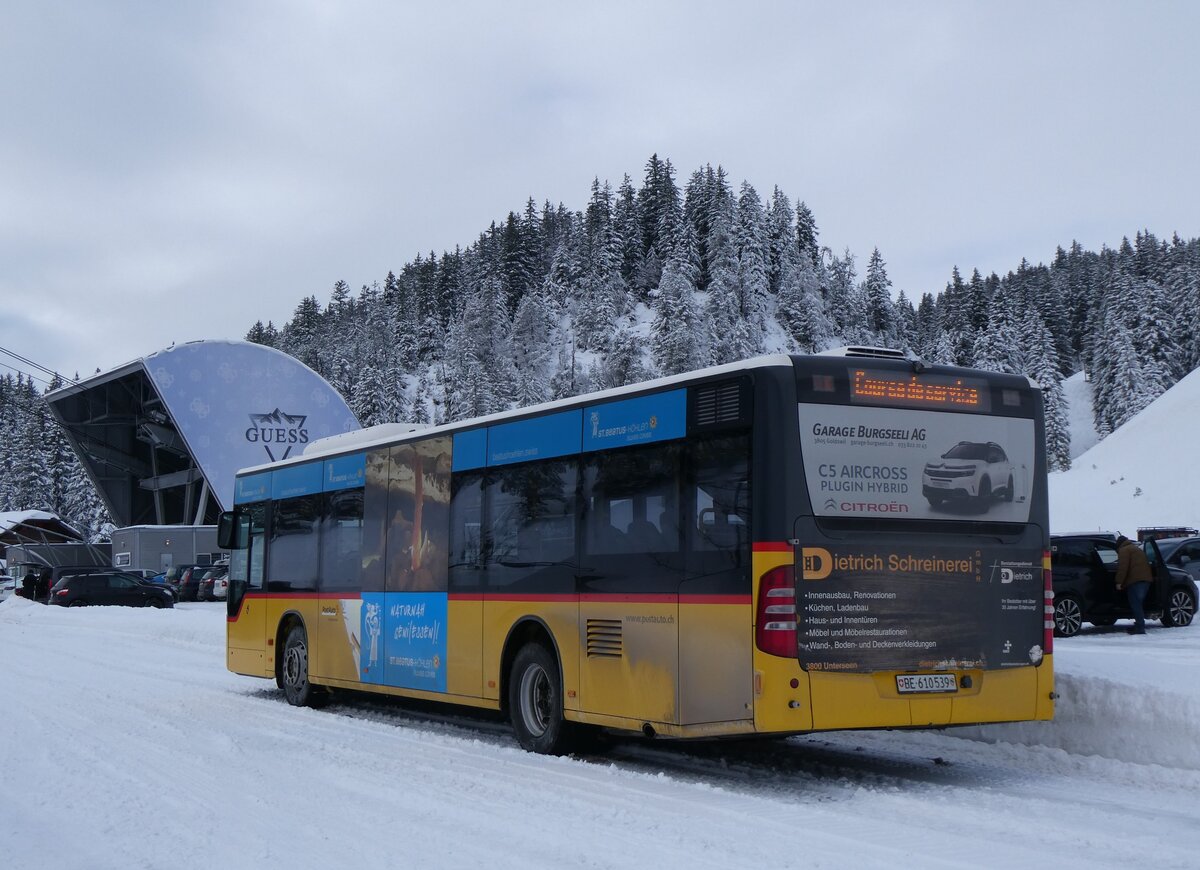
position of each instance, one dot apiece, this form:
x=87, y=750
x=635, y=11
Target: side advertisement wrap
x=404, y=640
x=888, y=462
x=865, y=608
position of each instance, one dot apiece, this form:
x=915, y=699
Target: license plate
x=933, y=481
x=914, y=683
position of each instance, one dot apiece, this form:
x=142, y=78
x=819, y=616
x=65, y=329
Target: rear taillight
x=62, y=591
x=775, y=621
x=1048, y=625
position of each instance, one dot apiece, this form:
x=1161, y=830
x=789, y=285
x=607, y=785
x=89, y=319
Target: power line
x=29, y=375
x=38, y=366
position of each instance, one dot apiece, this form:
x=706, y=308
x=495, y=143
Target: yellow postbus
x=785, y=545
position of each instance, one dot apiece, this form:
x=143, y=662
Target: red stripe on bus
x=772, y=547
x=594, y=598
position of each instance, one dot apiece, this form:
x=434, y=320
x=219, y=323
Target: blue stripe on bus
x=539, y=438
x=470, y=450
x=296, y=480
x=345, y=472
x=643, y=420
x=252, y=488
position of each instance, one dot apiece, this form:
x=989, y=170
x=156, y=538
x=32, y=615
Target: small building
x=33, y=527
x=158, y=548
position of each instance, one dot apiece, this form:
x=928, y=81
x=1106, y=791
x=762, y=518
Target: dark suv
x=109, y=587
x=1182, y=553
x=1084, y=571
x=177, y=577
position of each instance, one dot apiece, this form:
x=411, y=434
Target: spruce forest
x=655, y=279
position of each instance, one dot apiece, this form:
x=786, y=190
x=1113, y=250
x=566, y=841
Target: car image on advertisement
x=970, y=470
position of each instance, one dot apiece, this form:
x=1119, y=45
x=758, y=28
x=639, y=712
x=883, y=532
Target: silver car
x=969, y=470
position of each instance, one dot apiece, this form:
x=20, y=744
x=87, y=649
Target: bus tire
x=1181, y=608
x=1068, y=616
x=535, y=703
x=294, y=672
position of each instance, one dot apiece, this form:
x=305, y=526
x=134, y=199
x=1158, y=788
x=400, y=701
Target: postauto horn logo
x=277, y=432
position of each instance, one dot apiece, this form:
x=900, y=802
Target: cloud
x=178, y=172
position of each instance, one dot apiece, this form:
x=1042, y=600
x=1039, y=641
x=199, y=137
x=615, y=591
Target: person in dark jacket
x=29, y=586
x=43, y=586
x=1134, y=576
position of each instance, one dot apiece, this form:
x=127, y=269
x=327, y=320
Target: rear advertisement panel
x=864, y=607
x=908, y=464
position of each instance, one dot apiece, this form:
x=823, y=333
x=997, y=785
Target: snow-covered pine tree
x=752, y=242
x=880, y=313
x=532, y=335
x=806, y=234
x=676, y=337
x=800, y=311
x=721, y=309
x=781, y=236
x=997, y=348
x=1041, y=364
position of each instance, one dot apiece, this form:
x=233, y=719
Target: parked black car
x=1084, y=569
x=208, y=581
x=109, y=587
x=185, y=580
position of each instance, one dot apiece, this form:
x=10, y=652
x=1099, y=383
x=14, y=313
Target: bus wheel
x=1181, y=608
x=1068, y=616
x=535, y=701
x=294, y=674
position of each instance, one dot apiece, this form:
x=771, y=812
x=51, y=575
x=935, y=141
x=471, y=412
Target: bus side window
x=530, y=521
x=294, y=551
x=631, y=500
x=466, y=531
x=722, y=494
x=342, y=540
x=246, y=566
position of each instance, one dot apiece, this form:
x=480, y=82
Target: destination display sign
x=910, y=390
x=866, y=608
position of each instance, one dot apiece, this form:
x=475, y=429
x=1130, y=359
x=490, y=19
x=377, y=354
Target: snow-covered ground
x=128, y=744
x=1080, y=423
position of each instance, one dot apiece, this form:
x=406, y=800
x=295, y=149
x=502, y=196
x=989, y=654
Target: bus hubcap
x=294, y=665
x=535, y=700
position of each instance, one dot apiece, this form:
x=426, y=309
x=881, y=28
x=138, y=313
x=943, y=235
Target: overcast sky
x=176, y=171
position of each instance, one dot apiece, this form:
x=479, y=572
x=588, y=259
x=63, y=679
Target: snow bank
x=1144, y=474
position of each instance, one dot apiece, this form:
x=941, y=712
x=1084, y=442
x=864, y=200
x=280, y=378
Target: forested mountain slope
x=658, y=278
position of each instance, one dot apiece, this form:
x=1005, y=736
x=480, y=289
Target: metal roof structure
x=34, y=527
x=162, y=436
